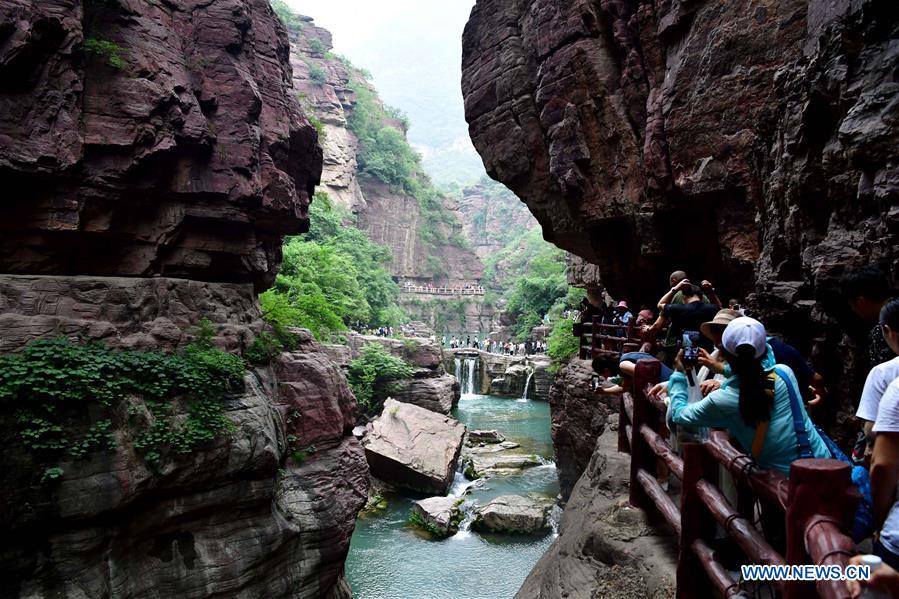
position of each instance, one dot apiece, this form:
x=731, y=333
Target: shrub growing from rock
x=65, y=400
x=371, y=374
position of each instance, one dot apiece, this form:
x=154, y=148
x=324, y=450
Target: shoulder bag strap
x=802, y=442
x=760, y=432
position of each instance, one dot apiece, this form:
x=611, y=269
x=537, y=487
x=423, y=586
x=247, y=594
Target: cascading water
x=388, y=557
x=527, y=385
x=458, y=370
x=469, y=380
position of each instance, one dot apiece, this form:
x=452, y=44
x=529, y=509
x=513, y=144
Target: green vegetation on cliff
x=332, y=277
x=66, y=399
x=535, y=285
x=290, y=19
x=385, y=154
x=562, y=345
x=372, y=375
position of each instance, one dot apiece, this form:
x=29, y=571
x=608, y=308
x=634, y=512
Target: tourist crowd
x=494, y=346
x=721, y=368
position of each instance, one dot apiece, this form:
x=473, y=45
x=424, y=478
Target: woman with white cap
x=760, y=407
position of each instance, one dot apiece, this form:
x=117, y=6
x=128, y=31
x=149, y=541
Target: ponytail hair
x=889, y=315
x=755, y=402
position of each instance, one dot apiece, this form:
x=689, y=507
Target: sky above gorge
x=413, y=48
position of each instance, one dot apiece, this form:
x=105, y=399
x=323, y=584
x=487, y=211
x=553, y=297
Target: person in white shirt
x=876, y=384
x=885, y=458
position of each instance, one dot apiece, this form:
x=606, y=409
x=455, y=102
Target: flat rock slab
x=513, y=514
x=414, y=448
x=480, y=465
x=485, y=449
x=440, y=515
x=482, y=436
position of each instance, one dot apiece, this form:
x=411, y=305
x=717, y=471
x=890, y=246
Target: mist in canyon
x=414, y=53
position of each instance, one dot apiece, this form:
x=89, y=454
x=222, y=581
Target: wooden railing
x=816, y=504
x=599, y=339
x=442, y=290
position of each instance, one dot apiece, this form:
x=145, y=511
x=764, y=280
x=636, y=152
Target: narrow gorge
x=300, y=299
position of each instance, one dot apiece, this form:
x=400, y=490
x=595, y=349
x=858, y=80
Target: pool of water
x=390, y=559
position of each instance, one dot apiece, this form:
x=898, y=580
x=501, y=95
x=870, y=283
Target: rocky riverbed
x=439, y=555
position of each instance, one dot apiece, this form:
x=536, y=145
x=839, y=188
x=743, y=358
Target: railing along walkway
x=597, y=339
x=442, y=290
x=816, y=504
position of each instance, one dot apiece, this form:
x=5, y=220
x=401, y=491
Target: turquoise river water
x=390, y=559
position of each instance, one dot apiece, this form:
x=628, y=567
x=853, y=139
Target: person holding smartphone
x=688, y=316
x=753, y=404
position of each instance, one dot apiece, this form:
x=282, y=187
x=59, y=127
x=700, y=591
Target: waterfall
x=458, y=370
x=555, y=518
x=527, y=385
x=469, y=381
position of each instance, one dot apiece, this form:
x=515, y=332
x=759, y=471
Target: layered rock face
x=468, y=314
x=154, y=155
x=387, y=215
x=332, y=102
x=491, y=214
x=749, y=143
x=143, y=138
x=238, y=517
x=132, y=313
x=579, y=417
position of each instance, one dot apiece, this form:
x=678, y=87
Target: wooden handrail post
x=642, y=456
x=593, y=348
x=817, y=488
x=696, y=523
x=623, y=421
x=577, y=329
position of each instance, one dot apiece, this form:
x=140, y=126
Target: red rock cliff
x=152, y=155
x=140, y=137
x=753, y=143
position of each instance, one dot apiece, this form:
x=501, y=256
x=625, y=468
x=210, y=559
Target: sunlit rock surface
x=512, y=514
x=414, y=448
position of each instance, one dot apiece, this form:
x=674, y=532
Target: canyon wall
x=325, y=84
x=153, y=155
x=751, y=143
x=491, y=216
x=141, y=139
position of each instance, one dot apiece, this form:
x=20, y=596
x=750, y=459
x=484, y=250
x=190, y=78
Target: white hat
x=745, y=331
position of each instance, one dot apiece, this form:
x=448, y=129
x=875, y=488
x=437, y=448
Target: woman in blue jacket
x=753, y=405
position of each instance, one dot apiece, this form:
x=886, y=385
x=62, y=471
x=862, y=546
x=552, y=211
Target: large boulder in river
x=485, y=436
x=513, y=514
x=414, y=448
x=438, y=515
x=432, y=390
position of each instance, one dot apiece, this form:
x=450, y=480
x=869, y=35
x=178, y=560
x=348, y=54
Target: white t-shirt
x=888, y=422
x=876, y=385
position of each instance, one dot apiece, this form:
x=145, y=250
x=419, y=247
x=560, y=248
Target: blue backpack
x=863, y=523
